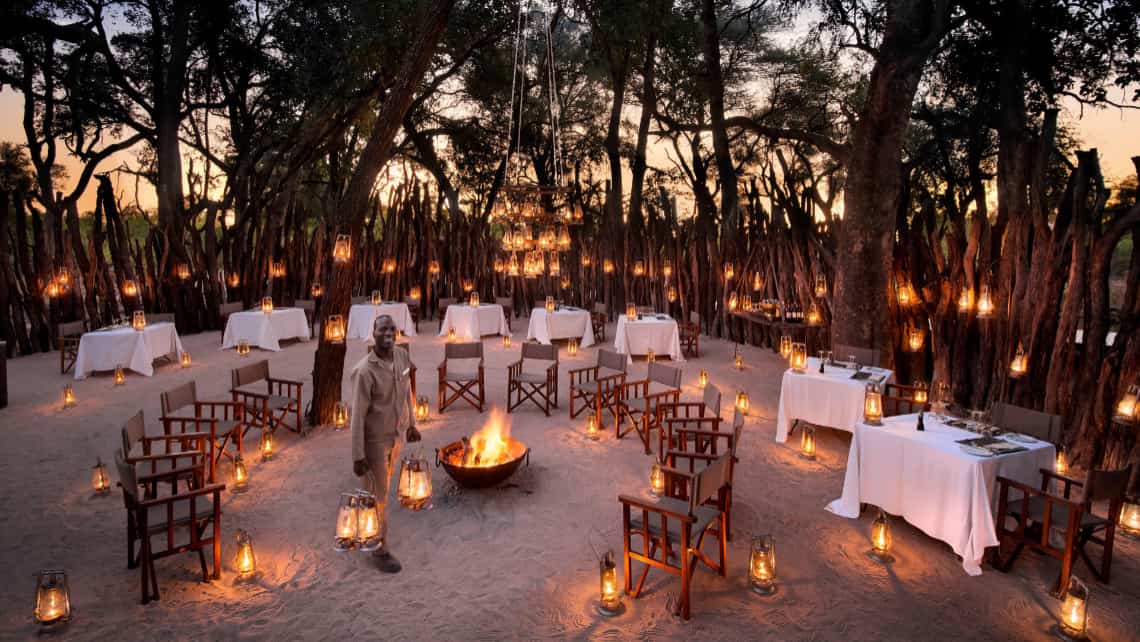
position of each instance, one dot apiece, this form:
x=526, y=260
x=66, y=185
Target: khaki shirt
x=382, y=404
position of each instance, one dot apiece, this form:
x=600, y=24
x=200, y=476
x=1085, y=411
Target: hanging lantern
x=468, y=285
x=53, y=290
x=506, y=340
x=746, y=304
x=243, y=347
x=904, y=294
x=762, y=565
x=130, y=290
x=798, y=358
x=564, y=239
x=266, y=447
x=757, y=282
x=414, y=489
x=334, y=329
x=985, y=303
x=742, y=403
x=138, y=320
x=451, y=335
x=245, y=561
x=498, y=266
x=732, y=302
x=234, y=280
x=342, y=249
x=340, y=416
x=508, y=240
x=389, y=265
x=1061, y=464
x=881, y=539
x=702, y=378
x=807, y=442
x=182, y=271
x=729, y=272
x=671, y=294
x=656, y=480
x=473, y=300
x=414, y=294
x=100, y=483
x=667, y=269
x=267, y=304
x=630, y=312
x=650, y=357
x=1128, y=408
x=609, y=598
x=1130, y=517
x=572, y=347
x=586, y=261
x=120, y=376
x=592, y=427
x=639, y=268
x=185, y=359
x=1019, y=365
x=367, y=522
x=965, y=301
x=914, y=339
x=346, y=519
x=555, y=265
x=820, y=285
x=608, y=266
x=920, y=395
x=422, y=409
x=785, y=346
x=1075, y=610
x=565, y=283
x=277, y=269
x=53, y=598
x=240, y=475
x=317, y=291
x=813, y=315
x=873, y=404
x=433, y=268
x=68, y=396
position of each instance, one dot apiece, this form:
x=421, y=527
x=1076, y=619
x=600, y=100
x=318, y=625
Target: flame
x=490, y=446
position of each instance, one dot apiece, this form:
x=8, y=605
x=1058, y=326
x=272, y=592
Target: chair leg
x=686, y=573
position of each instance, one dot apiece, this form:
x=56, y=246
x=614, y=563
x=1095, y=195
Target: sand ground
x=515, y=562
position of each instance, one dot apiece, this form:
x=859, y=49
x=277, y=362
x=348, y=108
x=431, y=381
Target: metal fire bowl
x=480, y=477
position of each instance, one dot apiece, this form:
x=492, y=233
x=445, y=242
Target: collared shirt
x=382, y=404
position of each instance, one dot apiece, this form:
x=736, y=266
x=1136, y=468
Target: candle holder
x=609, y=600
x=762, y=565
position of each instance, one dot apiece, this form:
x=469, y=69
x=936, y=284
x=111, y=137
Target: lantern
x=451, y=335
x=422, y=408
x=985, y=303
x=762, y=565
x=798, y=358
x=243, y=347
x=53, y=290
x=267, y=304
x=881, y=539
x=785, y=346
x=389, y=265
x=807, y=442
x=639, y=268
x=508, y=241
x=1019, y=364
x=965, y=301
x=1128, y=408
x=334, y=329
x=608, y=266
x=904, y=294
x=1061, y=464
x=572, y=347
x=342, y=249
x=873, y=404
x=732, y=302
x=630, y=312
x=592, y=427
x=609, y=599
x=414, y=489
x=914, y=339
x=942, y=395
x=468, y=285
x=234, y=280
x=340, y=416
x=702, y=378
x=586, y=261
x=820, y=285
x=130, y=289
x=245, y=561
x=650, y=356
x=473, y=300
x=667, y=269
x=100, y=483
x=1075, y=610
x=138, y=320
x=920, y=395
x=185, y=359
x=68, y=396
x=729, y=272
x=414, y=294
x=506, y=340
x=266, y=445
x=317, y=291
x=671, y=294
x=742, y=403
x=757, y=282
x=813, y=315
x=433, y=268
x=1130, y=517
x=738, y=360
x=182, y=271
x=656, y=480
x=367, y=522
x=565, y=283
x=240, y=475
x=120, y=377
x=746, y=304
x=53, y=598
x=277, y=269
x=346, y=520
x=374, y=297
x=549, y=304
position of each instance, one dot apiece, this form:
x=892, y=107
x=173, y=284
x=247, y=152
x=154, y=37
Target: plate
x=977, y=452
x=1018, y=437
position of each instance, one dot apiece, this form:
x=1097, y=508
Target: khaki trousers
x=383, y=459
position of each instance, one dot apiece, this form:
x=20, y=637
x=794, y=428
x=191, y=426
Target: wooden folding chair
x=899, y=400
x=267, y=410
x=461, y=375
x=696, y=446
x=163, y=453
x=1037, y=424
x=1037, y=512
x=679, y=412
x=222, y=420
x=163, y=525
x=676, y=525
x=535, y=377
x=508, y=305
x=638, y=400
x=598, y=320
x=690, y=332
x=597, y=385
x=67, y=340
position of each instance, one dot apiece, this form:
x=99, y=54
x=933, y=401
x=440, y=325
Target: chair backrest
x=865, y=356
x=133, y=431
x=226, y=309
x=127, y=479
x=309, y=305
x=246, y=375
x=711, y=399
x=664, y=374
x=162, y=317
x=179, y=397
x=612, y=360
x=505, y=301
x=737, y=429
x=1038, y=424
x=532, y=350
x=600, y=308
x=70, y=329
x=695, y=317
x=708, y=482
x=1101, y=485
x=473, y=350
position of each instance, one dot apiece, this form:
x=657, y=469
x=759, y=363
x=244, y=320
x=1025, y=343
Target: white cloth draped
x=472, y=323
x=650, y=333
x=565, y=323
x=362, y=315
x=265, y=330
x=104, y=350
x=831, y=399
x=927, y=479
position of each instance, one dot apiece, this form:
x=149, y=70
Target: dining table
x=108, y=348
x=266, y=330
x=833, y=398
x=649, y=331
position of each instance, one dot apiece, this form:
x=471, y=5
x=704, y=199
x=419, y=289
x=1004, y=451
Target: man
x=382, y=408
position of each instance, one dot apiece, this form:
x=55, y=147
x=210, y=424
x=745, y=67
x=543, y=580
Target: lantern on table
x=732, y=302
x=473, y=300
x=267, y=304
x=240, y=476
x=1075, y=611
x=881, y=539
x=630, y=312
x=245, y=561
x=608, y=266
x=965, y=301
x=914, y=339
x=762, y=565
x=920, y=392
x=798, y=358
x=53, y=598
x=609, y=599
x=650, y=357
x=702, y=378
x=367, y=522
x=266, y=447
x=68, y=396
x=873, y=404
x=785, y=346
x=656, y=480
x=346, y=520
x=639, y=268
x=414, y=489
x=549, y=304
x=506, y=340
x=389, y=265
x=592, y=427
x=340, y=416
x=1128, y=408
x=746, y=305
x=820, y=285
x=138, y=320
x=667, y=269
x=572, y=347
x=100, y=483
x=1019, y=365
x=742, y=402
x=243, y=347
x=130, y=289
x=422, y=409
x=729, y=271
x=985, y=303
x=807, y=442
x=813, y=315
x=1130, y=516
x=342, y=249
x=185, y=359
x=120, y=376
x=414, y=294
x=334, y=329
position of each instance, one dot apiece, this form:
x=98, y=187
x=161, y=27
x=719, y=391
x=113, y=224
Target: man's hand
x=413, y=434
x=359, y=467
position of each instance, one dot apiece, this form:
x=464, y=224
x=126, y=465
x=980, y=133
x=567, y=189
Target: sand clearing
x=515, y=562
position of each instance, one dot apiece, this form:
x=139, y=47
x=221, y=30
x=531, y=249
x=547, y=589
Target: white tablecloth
x=650, y=333
x=104, y=350
x=265, y=330
x=362, y=315
x=831, y=399
x=471, y=323
x=927, y=479
x=565, y=323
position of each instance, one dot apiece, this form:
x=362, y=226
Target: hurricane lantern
x=342, y=249
x=433, y=268
x=182, y=271
x=630, y=312
x=904, y=296
x=1128, y=408
x=100, y=483
x=656, y=480
x=1019, y=365
x=68, y=396
x=317, y=291
x=334, y=329
x=422, y=408
x=346, y=518
x=667, y=269
x=729, y=272
x=120, y=376
x=267, y=304
x=798, y=359
x=1061, y=463
x=757, y=282
x=762, y=565
x=820, y=285
x=468, y=285
x=234, y=280
x=340, y=416
x=738, y=360
x=367, y=522
x=639, y=268
x=549, y=304
x=243, y=347
x=1130, y=517
x=785, y=346
x=915, y=339
x=572, y=347
x=277, y=269
x=985, y=303
x=702, y=378
x=266, y=447
x=609, y=598
x=881, y=539
x=506, y=340
x=592, y=427
x=245, y=561
x=240, y=475
x=671, y=294
x=965, y=301
x=414, y=489
x=53, y=598
x=742, y=402
x=451, y=335
x=138, y=320
x=1075, y=610
x=185, y=359
x=130, y=289
x=920, y=392
x=813, y=315
x=564, y=283
x=473, y=300
x=873, y=404
x=732, y=302
x=389, y=265
x=807, y=442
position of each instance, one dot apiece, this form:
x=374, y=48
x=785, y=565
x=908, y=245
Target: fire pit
x=487, y=458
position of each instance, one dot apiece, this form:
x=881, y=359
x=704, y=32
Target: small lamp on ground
x=68, y=396
x=245, y=561
x=1075, y=611
x=881, y=539
x=53, y=599
x=650, y=356
x=592, y=427
x=1128, y=408
x=762, y=565
x=422, y=409
x=346, y=519
x=702, y=378
x=609, y=600
x=240, y=476
x=656, y=480
x=738, y=360
x=506, y=340
x=414, y=489
x=340, y=416
x=1130, y=516
x=100, y=483
x=186, y=360
x=243, y=347
x=120, y=376
x=266, y=447
x=742, y=402
x=572, y=347
x=807, y=442
x=451, y=335
x=367, y=522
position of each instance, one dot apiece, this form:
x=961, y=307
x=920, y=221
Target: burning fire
x=490, y=446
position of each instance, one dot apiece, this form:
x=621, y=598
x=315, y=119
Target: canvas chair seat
x=462, y=370
x=604, y=372
x=704, y=514
x=273, y=402
x=1060, y=515
x=534, y=370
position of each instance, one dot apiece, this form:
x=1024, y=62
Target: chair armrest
x=169, y=474
x=250, y=393
x=1006, y=483
x=624, y=388
x=691, y=455
x=180, y=455
x=208, y=489
x=653, y=507
x=515, y=368
x=1047, y=474
x=198, y=405
x=287, y=382
x=573, y=372
x=179, y=437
